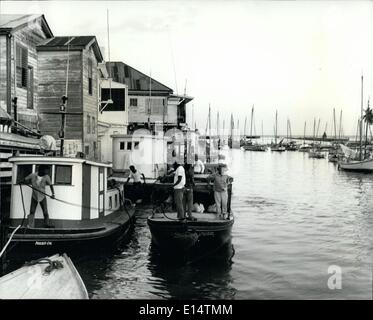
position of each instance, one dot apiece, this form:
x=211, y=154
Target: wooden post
x=63, y=120
x=15, y=111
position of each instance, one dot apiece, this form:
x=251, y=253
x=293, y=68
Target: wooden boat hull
x=34, y=282
x=356, y=166
x=79, y=239
x=255, y=148
x=182, y=237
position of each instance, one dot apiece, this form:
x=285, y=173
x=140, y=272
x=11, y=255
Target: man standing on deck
x=178, y=186
x=38, y=182
x=188, y=193
x=221, y=181
x=199, y=167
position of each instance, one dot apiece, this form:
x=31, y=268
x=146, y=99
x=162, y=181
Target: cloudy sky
x=303, y=58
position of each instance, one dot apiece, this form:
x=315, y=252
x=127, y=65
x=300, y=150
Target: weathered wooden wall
x=140, y=113
x=29, y=37
x=90, y=104
x=52, y=75
x=3, y=102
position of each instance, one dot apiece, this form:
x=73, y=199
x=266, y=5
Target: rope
x=10, y=239
x=52, y=265
x=66, y=202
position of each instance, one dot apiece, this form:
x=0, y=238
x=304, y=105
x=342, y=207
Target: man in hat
x=221, y=181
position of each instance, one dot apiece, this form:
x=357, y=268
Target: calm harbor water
x=295, y=217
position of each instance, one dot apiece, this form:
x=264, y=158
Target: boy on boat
x=135, y=175
x=38, y=182
x=221, y=181
x=199, y=167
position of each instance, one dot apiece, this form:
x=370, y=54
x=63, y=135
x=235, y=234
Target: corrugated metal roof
x=68, y=41
x=71, y=43
x=134, y=79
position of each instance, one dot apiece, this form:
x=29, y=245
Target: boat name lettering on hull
x=43, y=243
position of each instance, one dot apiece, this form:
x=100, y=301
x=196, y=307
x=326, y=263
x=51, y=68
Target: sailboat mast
x=335, y=125
x=287, y=129
x=244, y=129
x=276, y=129
x=251, y=121
x=340, y=126
x=318, y=127
x=210, y=123
x=361, y=119
x=262, y=132
x=304, y=132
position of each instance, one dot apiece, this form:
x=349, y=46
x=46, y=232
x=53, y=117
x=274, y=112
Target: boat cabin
x=148, y=153
x=82, y=195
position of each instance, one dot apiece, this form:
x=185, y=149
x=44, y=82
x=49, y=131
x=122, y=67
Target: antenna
x=173, y=60
x=109, y=101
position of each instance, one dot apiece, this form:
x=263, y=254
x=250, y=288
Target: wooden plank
x=5, y=155
x=6, y=165
x=4, y=174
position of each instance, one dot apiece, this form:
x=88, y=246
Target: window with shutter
x=90, y=71
x=21, y=66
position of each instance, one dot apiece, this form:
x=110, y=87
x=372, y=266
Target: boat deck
x=201, y=217
x=32, y=282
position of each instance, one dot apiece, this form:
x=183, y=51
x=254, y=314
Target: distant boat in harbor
x=359, y=161
x=49, y=278
x=277, y=147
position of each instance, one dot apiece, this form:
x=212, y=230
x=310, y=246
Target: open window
x=63, y=175
x=23, y=170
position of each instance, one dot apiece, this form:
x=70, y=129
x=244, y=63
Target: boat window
x=129, y=145
x=136, y=145
x=110, y=202
x=116, y=200
x=63, y=175
x=23, y=171
x=47, y=169
x=121, y=145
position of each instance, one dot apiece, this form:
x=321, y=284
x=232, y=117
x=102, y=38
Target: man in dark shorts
x=38, y=182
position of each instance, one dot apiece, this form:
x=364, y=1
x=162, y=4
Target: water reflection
x=198, y=277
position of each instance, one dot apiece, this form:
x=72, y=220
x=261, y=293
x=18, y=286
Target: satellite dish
x=47, y=143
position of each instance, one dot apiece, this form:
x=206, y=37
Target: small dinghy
x=48, y=278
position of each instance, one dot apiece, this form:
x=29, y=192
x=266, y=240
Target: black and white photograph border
x=186, y=150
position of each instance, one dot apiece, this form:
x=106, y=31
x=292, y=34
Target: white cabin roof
x=131, y=137
x=56, y=160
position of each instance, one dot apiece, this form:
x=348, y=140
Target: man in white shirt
x=179, y=183
x=199, y=167
x=135, y=175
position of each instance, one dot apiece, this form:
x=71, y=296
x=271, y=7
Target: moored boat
x=207, y=232
x=356, y=165
x=49, y=278
x=85, y=211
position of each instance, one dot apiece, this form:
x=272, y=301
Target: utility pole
x=63, y=114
